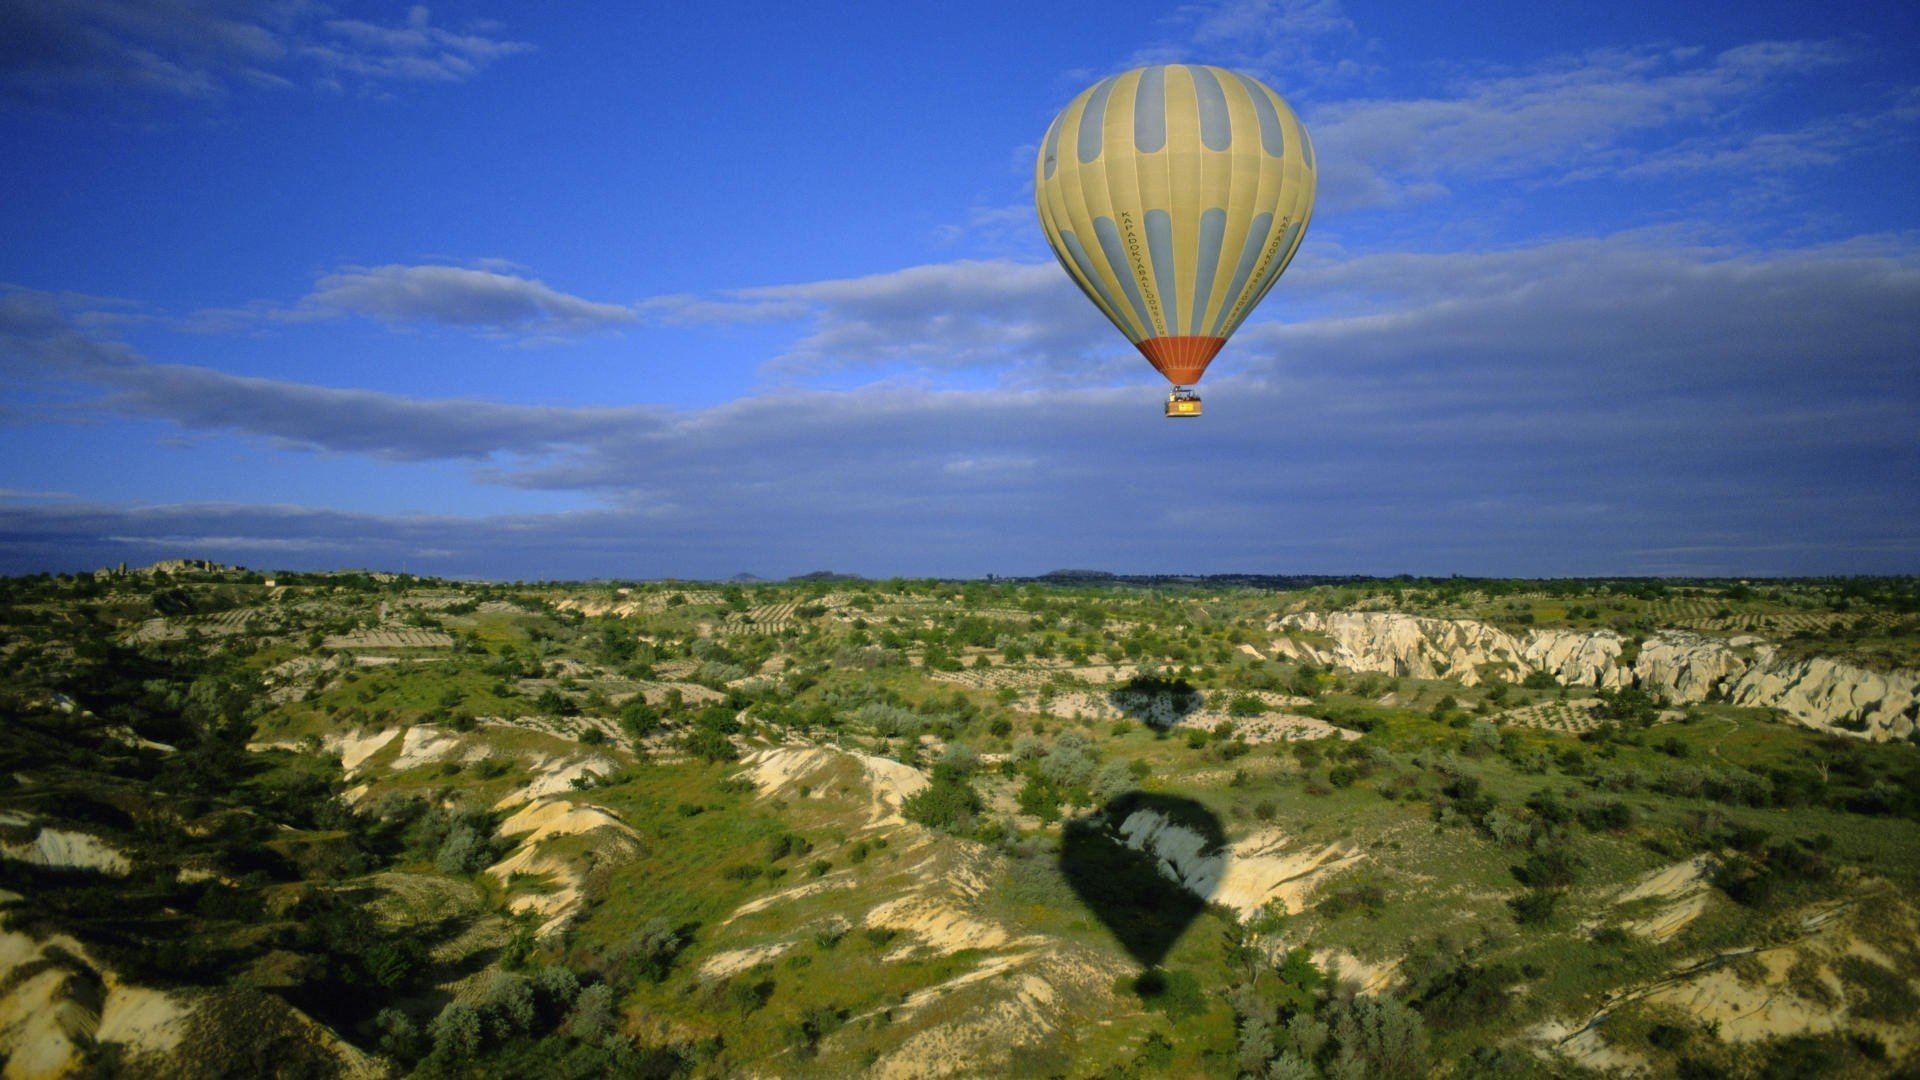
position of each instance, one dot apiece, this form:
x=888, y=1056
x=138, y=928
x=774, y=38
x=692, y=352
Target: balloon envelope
x=1174, y=196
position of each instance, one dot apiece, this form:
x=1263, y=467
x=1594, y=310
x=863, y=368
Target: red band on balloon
x=1181, y=359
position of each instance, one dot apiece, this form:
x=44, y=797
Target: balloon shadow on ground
x=1156, y=701
x=1144, y=909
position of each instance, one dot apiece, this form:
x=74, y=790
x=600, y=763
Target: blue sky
x=492, y=290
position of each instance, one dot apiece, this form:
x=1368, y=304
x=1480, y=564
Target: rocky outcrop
x=1683, y=667
x=61, y=849
x=1679, y=666
x=1578, y=659
x=1403, y=645
x=1264, y=868
x=1834, y=697
x=61, y=1010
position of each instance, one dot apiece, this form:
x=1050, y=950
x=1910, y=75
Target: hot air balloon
x=1174, y=196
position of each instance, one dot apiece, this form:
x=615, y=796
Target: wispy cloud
x=60, y=51
x=1579, y=117
x=40, y=344
x=486, y=300
x=414, y=51
x=1626, y=404
x=492, y=297
x=1304, y=45
x=940, y=317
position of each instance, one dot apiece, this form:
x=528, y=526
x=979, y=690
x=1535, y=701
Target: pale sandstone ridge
x=536, y=824
x=1749, y=995
x=1686, y=667
x=1820, y=692
x=1578, y=659
x=782, y=769
x=725, y=965
x=1013, y=990
x=1680, y=666
x=64, y=849
x=1404, y=644
x=58, y=1003
x=1262, y=869
x=1682, y=891
x=1366, y=977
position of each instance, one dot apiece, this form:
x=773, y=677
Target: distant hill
x=1077, y=575
x=746, y=579
x=826, y=575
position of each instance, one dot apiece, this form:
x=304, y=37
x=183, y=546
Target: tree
x=638, y=718
x=399, y=1036
x=509, y=1004
x=593, y=1013
x=1114, y=779
x=1382, y=1037
x=1245, y=705
x=710, y=736
x=949, y=802
x=456, y=1031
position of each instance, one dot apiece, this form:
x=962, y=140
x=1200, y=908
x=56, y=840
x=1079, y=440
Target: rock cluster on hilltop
x=1679, y=666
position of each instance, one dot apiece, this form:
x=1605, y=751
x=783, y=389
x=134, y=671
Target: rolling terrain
x=371, y=825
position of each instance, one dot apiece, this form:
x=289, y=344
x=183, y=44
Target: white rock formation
x=1685, y=667
x=1578, y=658
x=1823, y=694
x=1679, y=666
x=1259, y=870
x=64, y=849
x=1406, y=644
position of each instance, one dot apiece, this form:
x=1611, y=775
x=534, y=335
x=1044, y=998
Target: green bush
x=1245, y=705
x=948, y=802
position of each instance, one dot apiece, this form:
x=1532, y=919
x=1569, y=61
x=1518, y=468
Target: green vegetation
x=667, y=829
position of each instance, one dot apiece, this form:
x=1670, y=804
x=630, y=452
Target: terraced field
x=391, y=638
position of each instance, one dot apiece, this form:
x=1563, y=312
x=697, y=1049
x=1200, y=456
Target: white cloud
x=1633, y=403
x=1298, y=45
x=414, y=51
x=55, y=51
x=992, y=314
x=1572, y=118
x=455, y=296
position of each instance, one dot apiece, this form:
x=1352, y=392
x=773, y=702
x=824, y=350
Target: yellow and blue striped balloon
x=1174, y=196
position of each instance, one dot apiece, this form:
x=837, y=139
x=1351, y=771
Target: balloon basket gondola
x=1182, y=402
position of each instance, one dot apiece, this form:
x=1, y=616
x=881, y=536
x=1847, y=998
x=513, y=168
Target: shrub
x=1246, y=705
x=1610, y=815
x=749, y=995
x=1465, y=995
x=709, y=736
x=1114, y=779
x=1535, y=906
x=551, y=702
x=398, y=1036
x=1039, y=798
x=1549, y=868
x=949, y=802
x=557, y=988
x=781, y=845
x=465, y=851
x=639, y=719
x=1379, y=1037
x=508, y=1003
x=456, y=1032
x=1070, y=763
x=593, y=1013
